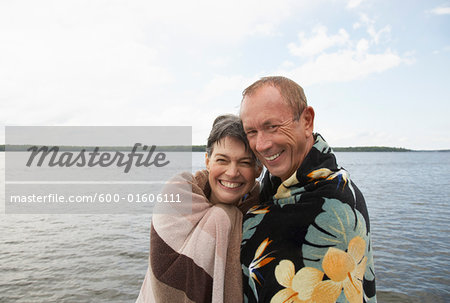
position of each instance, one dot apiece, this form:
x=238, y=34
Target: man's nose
x=262, y=142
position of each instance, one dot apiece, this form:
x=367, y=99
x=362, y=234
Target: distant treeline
x=202, y=148
x=370, y=149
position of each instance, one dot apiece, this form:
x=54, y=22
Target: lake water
x=103, y=258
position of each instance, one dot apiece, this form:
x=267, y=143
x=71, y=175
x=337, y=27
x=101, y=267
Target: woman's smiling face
x=232, y=171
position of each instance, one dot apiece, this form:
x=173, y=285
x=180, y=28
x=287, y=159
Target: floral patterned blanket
x=309, y=239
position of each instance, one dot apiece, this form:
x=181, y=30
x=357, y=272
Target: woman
x=195, y=244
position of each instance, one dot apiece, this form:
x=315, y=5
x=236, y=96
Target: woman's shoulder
x=251, y=199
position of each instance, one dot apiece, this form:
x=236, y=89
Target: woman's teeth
x=230, y=184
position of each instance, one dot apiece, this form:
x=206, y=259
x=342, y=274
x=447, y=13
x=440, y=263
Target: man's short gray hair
x=291, y=92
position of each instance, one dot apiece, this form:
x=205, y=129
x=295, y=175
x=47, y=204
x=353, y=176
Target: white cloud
x=287, y=64
x=362, y=46
x=319, y=42
x=220, y=86
x=445, y=49
x=110, y=62
x=222, y=94
x=340, y=57
x=169, y=62
x=376, y=35
x=440, y=10
x=59, y=61
x=219, y=62
x=354, y=3
x=344, y=66
x=356, y=25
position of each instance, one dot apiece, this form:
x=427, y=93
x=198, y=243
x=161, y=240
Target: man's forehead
x=257, y=120
x=264, y=111
x=266, y=94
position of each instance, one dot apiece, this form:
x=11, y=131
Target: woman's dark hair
x=227, y=126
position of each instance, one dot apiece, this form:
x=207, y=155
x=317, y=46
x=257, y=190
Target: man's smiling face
x=277, y=139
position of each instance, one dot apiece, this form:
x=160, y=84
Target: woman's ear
x=258, y=170
x=207, y=161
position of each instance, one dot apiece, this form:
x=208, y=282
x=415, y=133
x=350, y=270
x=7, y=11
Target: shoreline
x=202, y=148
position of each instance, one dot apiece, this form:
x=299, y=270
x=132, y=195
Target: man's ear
x=207, y=161
x=308, y=120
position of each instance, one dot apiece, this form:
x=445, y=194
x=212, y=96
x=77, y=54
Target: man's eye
x=251, y=133
x=220, y=160
x=272, y=127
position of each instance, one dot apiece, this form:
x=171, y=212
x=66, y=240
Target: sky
x=376, y=72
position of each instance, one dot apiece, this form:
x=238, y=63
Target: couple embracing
x=302, y=235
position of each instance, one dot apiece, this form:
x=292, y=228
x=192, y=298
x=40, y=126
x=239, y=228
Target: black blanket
x=309, y=239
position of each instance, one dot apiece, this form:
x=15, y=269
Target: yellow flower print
x=259, y=260
x=299, y=286
x=321, y=173
x=345, y=270
x=256, y=210
x=284, y=190
x=325, y=173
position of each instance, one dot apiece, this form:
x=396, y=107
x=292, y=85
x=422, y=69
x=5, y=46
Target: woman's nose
x=233, y=170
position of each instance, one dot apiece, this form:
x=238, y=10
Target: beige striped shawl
x=195, y=254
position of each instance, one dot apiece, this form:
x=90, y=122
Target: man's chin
x=275, y=171
x=276, y=167
x=280, y=173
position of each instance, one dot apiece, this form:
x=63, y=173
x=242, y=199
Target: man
x=309, y=239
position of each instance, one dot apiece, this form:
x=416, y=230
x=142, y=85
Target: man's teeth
x=272, y=157
x=230, y=184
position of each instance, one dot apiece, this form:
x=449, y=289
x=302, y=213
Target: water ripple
x=103, y=258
